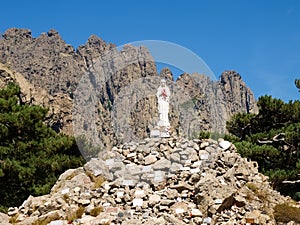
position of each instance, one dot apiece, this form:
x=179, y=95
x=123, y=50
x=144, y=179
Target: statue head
x=163, y=82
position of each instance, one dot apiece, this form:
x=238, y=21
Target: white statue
x=163, y=95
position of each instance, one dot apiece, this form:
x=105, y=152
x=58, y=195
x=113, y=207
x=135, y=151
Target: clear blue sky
x=258, y=39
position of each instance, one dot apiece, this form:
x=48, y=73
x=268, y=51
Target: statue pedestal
x=161, y=132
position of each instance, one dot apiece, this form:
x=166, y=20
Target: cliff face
x=114, y=91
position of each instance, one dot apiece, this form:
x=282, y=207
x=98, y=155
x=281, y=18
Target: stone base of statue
x=160, y=132
x=163, y=124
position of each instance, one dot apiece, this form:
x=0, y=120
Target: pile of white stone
x=157, y=181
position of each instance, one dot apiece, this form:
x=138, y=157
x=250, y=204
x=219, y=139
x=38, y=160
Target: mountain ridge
x=49, y=63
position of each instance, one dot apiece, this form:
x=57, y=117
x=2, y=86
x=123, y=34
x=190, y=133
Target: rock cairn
x=157, y=181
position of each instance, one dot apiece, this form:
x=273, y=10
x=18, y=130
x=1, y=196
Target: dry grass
x=80, y=211
x=286, y=213
x=14, y=218
x=73, y=215
x=96, y=211
x=252, y=186
x=98, y=181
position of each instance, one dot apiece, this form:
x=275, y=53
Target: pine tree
x=272, y=138
x=297, y=83
x=32, y=155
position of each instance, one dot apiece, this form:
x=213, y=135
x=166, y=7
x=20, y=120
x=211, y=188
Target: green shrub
x=204, y=135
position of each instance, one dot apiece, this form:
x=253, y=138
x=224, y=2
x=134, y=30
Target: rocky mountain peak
x=93, y=48
x=167, y=74
x=230, y=76
x=49, y=63
x=231, y=83
x=185, y=79
x=53, y=33
x=17, y=34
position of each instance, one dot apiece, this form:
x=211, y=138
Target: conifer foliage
x=272, y=138
x=32, y=155
x=297, y=83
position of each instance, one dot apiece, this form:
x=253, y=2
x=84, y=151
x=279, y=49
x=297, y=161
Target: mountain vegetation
x=32, y=154
x=272, y=138
x=297, y=83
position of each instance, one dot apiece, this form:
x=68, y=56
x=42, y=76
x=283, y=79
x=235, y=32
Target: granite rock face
x=113, y=91
x=151, y=182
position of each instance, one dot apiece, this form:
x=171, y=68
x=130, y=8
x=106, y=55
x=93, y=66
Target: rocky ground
x=157, y=181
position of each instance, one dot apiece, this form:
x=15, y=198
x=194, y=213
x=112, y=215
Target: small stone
x=196, y=212
x=77, y=189
x=204, y=145
x=175, y=157
x=196, y=164
x=197, y=170
x=218, y=201
x=186, y=220
x=150, y=159
x=104, y=221
x=162, y=164
x=159, y=176
x=197, y=220
x=128, y=182
x=57, y=222
x=145, y=215
x=139, y=194
x=65, y=191
x=132, y=154
x=137, y=202
x=146, y=169
x=120, y=194
x=126, y=152
x=12, y=211
x=112, y=211
x=204, y=156
x=196, y=146
x=109, y=162
x=154, y=199
x=179, y=207
x=207, y=220
x=171, y=193
x=120, y=214
x=224, y=144
x=106, y=204
x=179, y=210
x=163, y=208
x=185, y=168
